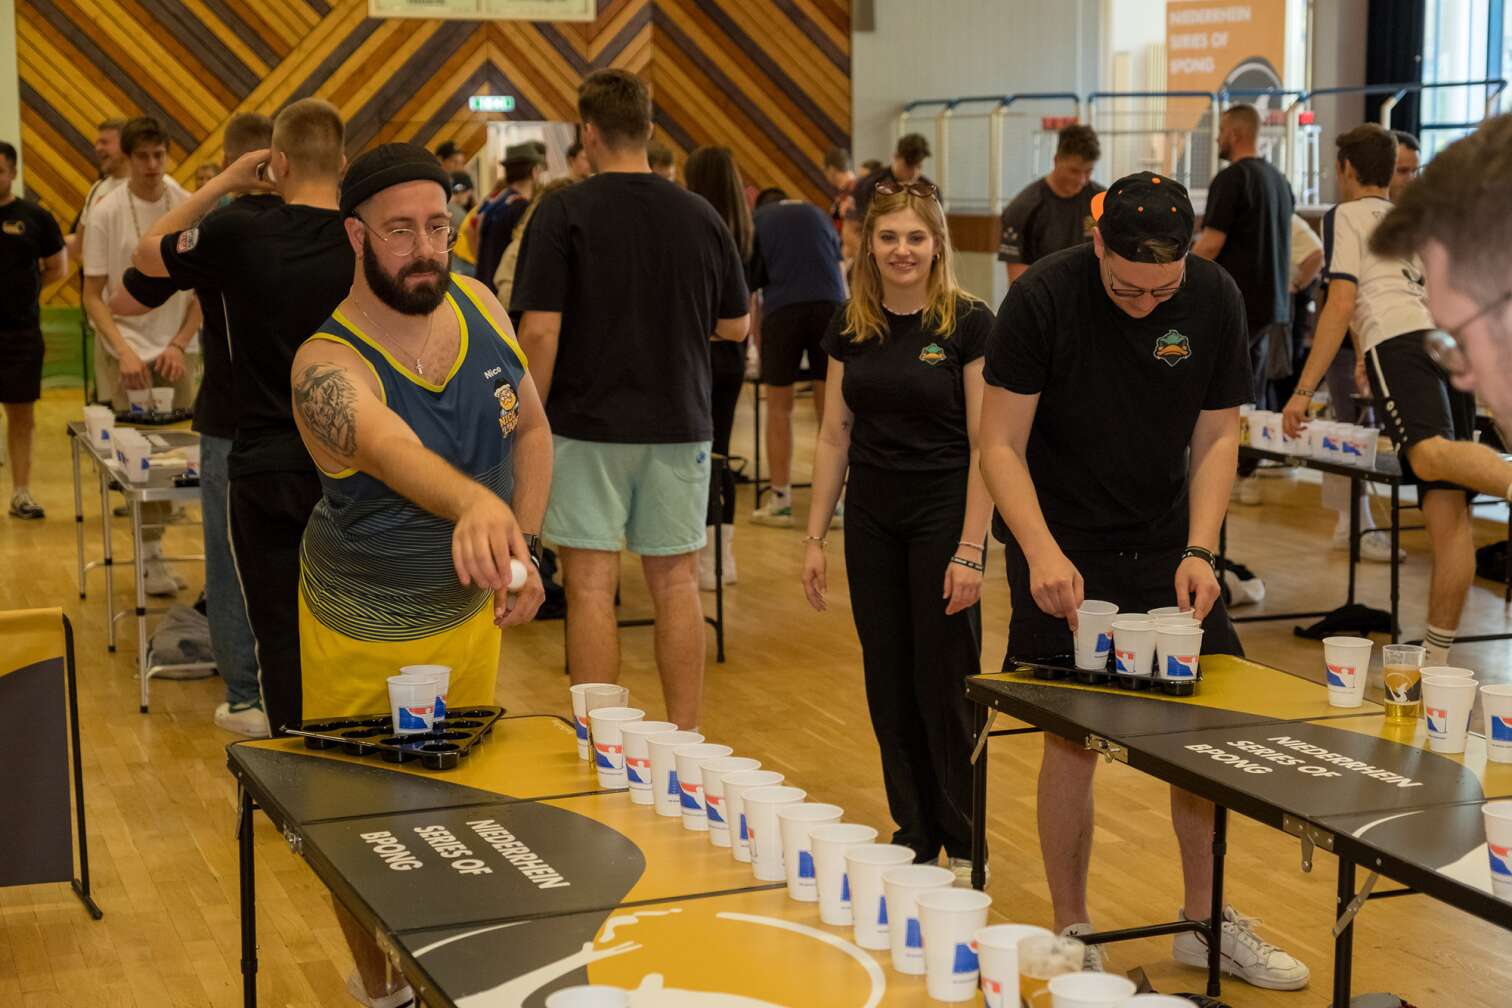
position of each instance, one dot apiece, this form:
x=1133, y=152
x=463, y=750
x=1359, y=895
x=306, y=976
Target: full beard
x=392, y=291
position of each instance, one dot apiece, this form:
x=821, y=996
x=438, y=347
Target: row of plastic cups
x=1170, y=636
x=133, y=452
x=417, y=697
x=1348, y=444
x=142, y=402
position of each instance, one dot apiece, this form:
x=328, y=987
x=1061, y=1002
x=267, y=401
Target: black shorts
x=787, y=334
x=21, y=353
x=1415, y=400
x=1136, y=582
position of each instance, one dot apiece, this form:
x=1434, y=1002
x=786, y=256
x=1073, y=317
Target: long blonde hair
x=863, y=313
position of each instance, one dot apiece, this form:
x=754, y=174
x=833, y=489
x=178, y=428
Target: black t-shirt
x=1251, y=203
x=866, y=188
x=281, y=272
x=906, y=391
x=641, y=271
x=795, y=257
x=496, y=230
x=28, y=234
x=1038, y=222
x=1118, y=396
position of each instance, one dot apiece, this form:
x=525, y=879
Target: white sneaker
x=243, y=719
x=1246, y=491
x=1092, y=958
x=404, y=997
x=158, y=578
x=1245, y=955
x=961, y=866
x=1375, y=545
x=777, y=512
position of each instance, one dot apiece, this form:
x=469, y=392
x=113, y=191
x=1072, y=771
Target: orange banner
x=1211, y=44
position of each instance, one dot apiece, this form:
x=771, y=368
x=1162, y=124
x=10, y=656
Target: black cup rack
x=153, y=419
x=1060, y=667
x=449, y=742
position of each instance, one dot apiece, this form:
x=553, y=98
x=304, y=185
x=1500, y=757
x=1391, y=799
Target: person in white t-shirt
x=1382, y=301
x=138, y=352
x=160, y=347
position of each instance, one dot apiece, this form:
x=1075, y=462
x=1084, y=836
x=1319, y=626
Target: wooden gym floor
x=161, y=810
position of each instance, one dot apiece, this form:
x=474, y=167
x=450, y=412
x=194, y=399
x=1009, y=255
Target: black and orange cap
x=1139, y=206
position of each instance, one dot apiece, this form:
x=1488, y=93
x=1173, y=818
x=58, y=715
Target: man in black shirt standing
x=280, y=271
x=1110, y=431
x=1054, y=212
x=32, y=255
x=623, y=280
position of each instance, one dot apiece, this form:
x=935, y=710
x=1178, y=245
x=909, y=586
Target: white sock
x=782, y=494
x=1436, y=645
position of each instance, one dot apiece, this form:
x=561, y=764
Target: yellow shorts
x=344, y=677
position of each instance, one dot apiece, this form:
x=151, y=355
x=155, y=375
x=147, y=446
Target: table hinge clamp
x=981, y=742
x=1109, y=750
x=1310, y=835
x=1355, y=905
x=294, y=840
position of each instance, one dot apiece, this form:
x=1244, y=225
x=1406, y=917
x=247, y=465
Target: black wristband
x=971, y=564
x=533, y=543
x=1201, y=554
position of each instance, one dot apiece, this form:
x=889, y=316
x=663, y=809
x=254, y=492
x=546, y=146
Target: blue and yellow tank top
x=374, y=565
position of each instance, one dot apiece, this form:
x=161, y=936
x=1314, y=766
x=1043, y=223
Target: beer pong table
x=158, y=487
x=1264, y=743
x=562, y=883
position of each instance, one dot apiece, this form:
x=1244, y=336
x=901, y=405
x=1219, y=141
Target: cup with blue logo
x=585, y=697
x=830, y=880
x=903, y=886
x=735, y=787
x=412, y=703
x=864, y=867
x=796, y=824
x=666, y=793
x=440, y=673
x=1346, y=664
x=633, y=737
x=716, y=806
x=997, y=959
x=1133, y=645
x=1498, y=818
x=761, y=808
x=1496, y=703
x=608, y=745
x=1447, y=705
x=139, y=402
x=690, y=760
x=1094, y=634
x=99, y=421
x=948, y=918
x=1177, y=648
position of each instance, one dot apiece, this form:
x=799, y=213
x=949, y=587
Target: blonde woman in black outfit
x=903, y=394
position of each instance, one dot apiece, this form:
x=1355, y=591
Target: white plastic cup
x=830, y=879
x=1177, y=649
x=1446, y=672
x=715, y=811
x=997, y=959
x=191, y=460
x=604, y=695
x=666, y=795
x=1447, y=705
x=135, y=457
x=1334, y=439
x=1496, y=703
x=948, y=919
x=633, y=737
x=690, y=760
x=139, y=401
x=1270, y=429
x=441, y=674
x=1133, y=646
x=796, y=824
x=589, y=996
x=761, y=807
x=162, y=401
x=865, y=865
x=1090, y=990
x=99, y=422
x=1346, y=663
x=736, y=785
x=1498, y=819
x=902, y=887
x=412, y=704
x=1169, y=610
x=1094, y=634
x=608, y=744
x=1370, y=446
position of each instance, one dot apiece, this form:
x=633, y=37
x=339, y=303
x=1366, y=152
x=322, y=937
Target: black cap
x=461, y=182
x=387, y=165
x=1140, y=206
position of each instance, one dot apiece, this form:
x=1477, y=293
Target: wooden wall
x=768, y=78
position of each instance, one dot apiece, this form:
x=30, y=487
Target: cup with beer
x=1042, y=958
x=1402, y=672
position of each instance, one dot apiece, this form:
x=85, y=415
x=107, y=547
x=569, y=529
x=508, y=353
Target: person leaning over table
x=903, y=393
x=1110, y=433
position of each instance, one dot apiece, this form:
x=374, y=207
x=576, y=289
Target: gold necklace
x=430, y=328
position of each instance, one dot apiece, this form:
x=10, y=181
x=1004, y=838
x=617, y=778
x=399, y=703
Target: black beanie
x=389, y=165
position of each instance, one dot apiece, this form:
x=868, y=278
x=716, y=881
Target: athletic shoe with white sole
x=1245, y=954
x=961, y=866
x=1092, y=958
x=23, y=506
x=776, y=513
x=1375, y=546
x=158, y=579
x=242, y=719
x=1246, y=491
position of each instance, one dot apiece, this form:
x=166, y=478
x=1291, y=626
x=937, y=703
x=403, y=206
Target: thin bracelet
x=976, y=546
x=1300, y=391
x=815, y=539
x=972, y=564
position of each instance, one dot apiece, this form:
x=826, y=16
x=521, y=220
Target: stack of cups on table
x=930, y=927
x=133, y=453
x=417, y=697
x=99, y=423
x=1169, y=638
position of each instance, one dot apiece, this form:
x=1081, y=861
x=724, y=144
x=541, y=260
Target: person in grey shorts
x=623, y=281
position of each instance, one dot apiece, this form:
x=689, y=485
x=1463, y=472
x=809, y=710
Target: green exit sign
x=491, y=103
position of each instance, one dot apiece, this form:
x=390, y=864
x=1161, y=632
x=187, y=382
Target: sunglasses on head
x=923, y=190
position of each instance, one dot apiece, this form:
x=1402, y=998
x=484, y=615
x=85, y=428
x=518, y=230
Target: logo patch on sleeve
x=187, y=240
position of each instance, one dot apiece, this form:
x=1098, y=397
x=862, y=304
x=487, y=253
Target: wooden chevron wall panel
x=768, y=78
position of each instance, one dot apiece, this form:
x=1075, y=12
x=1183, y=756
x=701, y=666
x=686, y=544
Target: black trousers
x=901, y=529
x=728, y=364
x=269, y=512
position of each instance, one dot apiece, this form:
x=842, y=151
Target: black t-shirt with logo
x=1118, y=396
x=1251, y=203
x=281, y=272
x=641, y=271
x=906, y=390
x=1038, y=222
x=28, y=234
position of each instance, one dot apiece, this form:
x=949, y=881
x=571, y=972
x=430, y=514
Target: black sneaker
x=24, y=507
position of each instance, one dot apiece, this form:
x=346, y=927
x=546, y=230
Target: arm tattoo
x=328, y=402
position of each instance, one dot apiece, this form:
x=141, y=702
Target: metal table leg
x=1396, y=562
x=248, y=901
x=109, y=557
x=138, y=570
x=756, y=442
x=73, y=451
x=979, y=799
x=1355, y=486
x=1215, y=921
x=1344, y=940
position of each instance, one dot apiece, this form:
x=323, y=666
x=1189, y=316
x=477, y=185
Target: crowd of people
x=401, y=388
